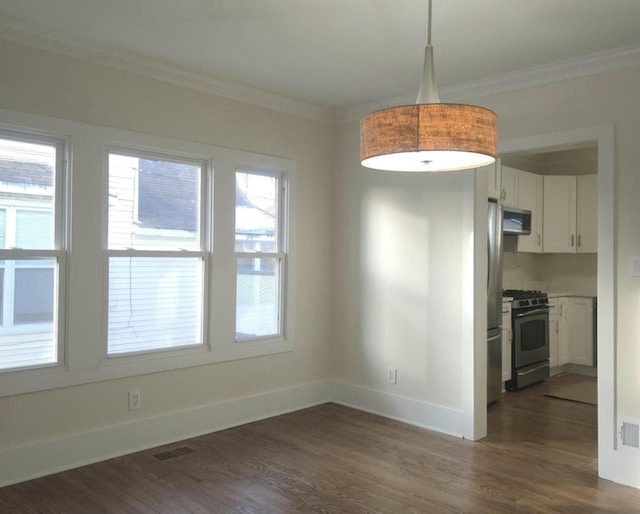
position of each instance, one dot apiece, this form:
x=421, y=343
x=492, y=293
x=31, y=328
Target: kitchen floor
x=567, y=426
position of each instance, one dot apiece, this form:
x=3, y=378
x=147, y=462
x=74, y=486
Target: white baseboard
x=626, y=467
x=46, y=457
x=416, y=412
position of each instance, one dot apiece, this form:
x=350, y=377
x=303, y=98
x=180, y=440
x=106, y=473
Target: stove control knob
x=523, y=303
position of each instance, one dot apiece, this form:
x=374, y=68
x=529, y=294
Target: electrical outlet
x=135, y=399
x=583, y=269
x=392, y=375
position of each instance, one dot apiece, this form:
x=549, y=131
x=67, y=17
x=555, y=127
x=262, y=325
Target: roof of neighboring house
x=26, y=173
x=168, y=195
x=168, y=199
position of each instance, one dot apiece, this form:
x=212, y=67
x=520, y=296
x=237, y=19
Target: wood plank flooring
x=540, y=456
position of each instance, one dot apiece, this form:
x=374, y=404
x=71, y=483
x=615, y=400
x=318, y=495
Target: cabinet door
x=554, y=360
x=530, y=197
x=506, y=342
x=587, y=214
x=563, y=331
x=509, y=177
x=580, y=323
x=559, y=221
x=494, y=182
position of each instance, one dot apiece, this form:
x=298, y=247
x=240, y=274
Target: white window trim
x=60, y=192
x=83, y=318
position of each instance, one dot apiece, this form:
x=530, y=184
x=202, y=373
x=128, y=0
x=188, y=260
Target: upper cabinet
x=559, y=225
x=587, y=214
x=509, y=186
x=570, y=214
x=494, y=180
x=530, y=197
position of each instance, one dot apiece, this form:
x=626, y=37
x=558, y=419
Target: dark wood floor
x=540, y=456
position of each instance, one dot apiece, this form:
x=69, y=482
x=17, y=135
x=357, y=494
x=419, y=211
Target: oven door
x=530, y=337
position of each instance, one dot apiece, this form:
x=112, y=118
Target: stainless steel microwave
x=516, y=221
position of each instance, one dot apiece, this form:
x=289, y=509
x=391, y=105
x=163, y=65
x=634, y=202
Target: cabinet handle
x=579, y=240
x=539, y=239
x=573, y=239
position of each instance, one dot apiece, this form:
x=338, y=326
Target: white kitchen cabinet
x=570, y=214
x=563, y=331
x=554, y=359
x=530, y=197
x=559, y=221
x=506, y=341
x=494, y=180
x=575, y=330
x=587, y=214
x=509, y=182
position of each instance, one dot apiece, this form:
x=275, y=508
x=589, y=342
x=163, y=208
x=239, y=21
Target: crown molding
x=558, y=71
x=620, y=58
x=19, y=33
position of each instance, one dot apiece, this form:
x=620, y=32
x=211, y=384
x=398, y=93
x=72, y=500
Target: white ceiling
x=330, y=53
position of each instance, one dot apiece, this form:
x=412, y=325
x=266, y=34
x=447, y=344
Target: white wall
x=61, y=87
x=401, y=277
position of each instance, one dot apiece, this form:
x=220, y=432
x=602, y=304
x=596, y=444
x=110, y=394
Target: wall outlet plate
x=392, y=375
x=135, y=399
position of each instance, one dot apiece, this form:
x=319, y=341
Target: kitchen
x=552, y=270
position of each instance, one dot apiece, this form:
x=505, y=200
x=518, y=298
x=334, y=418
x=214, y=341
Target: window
x=260, y=257
x=31, y=250
x=156, y=253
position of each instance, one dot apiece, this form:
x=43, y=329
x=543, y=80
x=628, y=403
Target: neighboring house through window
x=259, y=253
x=156, y=254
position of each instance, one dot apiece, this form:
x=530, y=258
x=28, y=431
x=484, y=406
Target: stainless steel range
x=530, y=342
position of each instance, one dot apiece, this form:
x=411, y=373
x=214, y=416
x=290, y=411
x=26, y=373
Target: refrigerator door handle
x=494, y=338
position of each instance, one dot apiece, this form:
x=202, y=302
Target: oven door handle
x=532, y=313
x=533, y=370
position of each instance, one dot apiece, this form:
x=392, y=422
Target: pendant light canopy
x=428, y=136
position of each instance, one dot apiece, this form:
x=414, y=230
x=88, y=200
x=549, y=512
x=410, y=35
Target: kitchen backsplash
x=574, y=274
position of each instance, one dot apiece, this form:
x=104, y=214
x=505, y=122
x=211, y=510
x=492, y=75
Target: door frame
x=602, y=137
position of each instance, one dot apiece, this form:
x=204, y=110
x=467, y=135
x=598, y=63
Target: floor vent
x=630, y=435
x=175, y=452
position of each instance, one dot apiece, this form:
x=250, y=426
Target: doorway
x=602, y=139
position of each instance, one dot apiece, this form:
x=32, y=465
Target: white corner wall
x=403, y=270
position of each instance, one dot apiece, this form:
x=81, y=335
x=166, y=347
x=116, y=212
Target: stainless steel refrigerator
x=494, y=303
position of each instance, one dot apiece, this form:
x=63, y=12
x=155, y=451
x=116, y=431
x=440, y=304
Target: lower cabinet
x=554, y=358
x=506, y=341
x=575, y=330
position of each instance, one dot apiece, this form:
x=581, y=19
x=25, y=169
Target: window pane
x=153, y=204
x=31, y=341
x=256, y=212
x=34, y=229
x=257, y=298
x=27, y=181
x=154, y=303
x=34, y=295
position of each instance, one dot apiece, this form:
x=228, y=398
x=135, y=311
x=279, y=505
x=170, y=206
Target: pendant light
x=429, y=135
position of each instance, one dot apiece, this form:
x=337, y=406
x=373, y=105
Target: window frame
x=58, y=252
x=202, y=251
x=280, y=254
x=82, y=285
